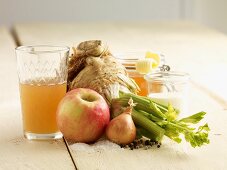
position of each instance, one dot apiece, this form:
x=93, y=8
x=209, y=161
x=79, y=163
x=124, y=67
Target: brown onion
x=122, y=129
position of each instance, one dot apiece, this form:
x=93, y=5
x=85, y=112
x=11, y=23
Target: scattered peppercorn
x=141, y=143
x=151, y=140
x=122, y=146
x=147, y=142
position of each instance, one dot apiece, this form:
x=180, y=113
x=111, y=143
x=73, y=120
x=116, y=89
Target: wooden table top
x=187, y=46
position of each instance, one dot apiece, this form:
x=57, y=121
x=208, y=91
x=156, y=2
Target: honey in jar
x=140, y=81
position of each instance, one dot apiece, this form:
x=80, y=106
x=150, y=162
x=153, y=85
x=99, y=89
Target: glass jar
x=42, y=72
x=129, y=60
x=169, y=87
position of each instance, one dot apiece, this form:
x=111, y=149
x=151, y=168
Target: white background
x=210, y=12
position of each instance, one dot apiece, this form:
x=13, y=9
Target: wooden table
x=188, y=46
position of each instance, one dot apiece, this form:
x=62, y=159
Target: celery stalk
x=143, y=103
x=154, y=120
x=140, y=132
x=155, y=131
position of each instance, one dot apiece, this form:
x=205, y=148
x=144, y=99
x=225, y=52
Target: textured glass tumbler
x=42, y=72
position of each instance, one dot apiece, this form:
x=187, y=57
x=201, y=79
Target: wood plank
x=188, y=47
x=185, y=44
x=15, y=151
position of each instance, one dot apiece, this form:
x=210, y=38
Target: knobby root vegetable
x=93, y=66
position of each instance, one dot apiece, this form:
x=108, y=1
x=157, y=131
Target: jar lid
x=167, y=76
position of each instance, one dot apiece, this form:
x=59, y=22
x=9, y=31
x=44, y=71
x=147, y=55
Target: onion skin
x=121, y=129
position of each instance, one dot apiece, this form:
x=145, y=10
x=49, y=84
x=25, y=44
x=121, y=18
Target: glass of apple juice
x=42, y=72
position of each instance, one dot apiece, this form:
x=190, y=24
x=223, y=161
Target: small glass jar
x=169, y=87
x=129, y=60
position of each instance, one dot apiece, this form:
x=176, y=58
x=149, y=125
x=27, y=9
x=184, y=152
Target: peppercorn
x=147, y=142
x=141, y=141
x=122, y=146
x=131, y=145
x=151, y=140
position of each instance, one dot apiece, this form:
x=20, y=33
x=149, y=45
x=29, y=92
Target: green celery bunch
x=154, y=120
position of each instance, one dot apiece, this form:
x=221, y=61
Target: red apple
x=82, y=115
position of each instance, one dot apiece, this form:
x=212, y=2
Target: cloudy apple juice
x=39, y=104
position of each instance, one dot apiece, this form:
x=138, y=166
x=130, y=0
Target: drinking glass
x=42, y=72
